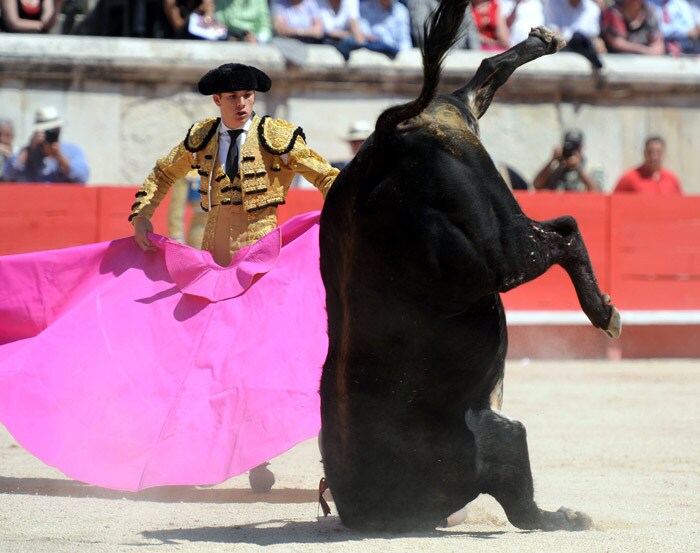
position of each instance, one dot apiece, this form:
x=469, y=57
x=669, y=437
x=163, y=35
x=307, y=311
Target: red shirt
x=637, y=181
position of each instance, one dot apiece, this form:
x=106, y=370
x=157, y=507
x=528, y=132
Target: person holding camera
x=46, y=158
x=565, y=172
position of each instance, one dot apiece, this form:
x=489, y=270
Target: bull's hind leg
x=503, y=471
x=559, y=242
x=494, y=71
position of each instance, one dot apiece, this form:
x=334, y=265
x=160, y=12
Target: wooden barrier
x=645, y=251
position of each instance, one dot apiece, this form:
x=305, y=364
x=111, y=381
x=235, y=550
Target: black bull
x=419, y=235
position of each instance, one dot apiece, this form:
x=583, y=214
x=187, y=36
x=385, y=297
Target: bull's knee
x=501, y=444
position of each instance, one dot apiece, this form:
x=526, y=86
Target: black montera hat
x=233, y=76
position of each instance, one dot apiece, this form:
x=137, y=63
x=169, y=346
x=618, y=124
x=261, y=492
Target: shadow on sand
x=166, y=494
x=278, y=532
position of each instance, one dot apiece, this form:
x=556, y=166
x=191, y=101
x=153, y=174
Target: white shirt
x=338, y=21
x=562, y=17
x=529, y=14
x=225, y=141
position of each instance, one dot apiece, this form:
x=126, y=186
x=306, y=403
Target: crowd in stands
x=591, y=27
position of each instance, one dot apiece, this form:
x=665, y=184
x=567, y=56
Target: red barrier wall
x=645, y=251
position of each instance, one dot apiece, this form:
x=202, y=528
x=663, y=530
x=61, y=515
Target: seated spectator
x=578, y=22
x=420, y=10
x=194, y=19
x=7, y=150
x=491, y=24
x=386, y=26
x=521, y=16
x=651, y=177
x=678, y=26
x=341, y=25
x=565, y=171
x=631, y=27
x=299, y=19
x=46, y=158
x=29, y=16
x=246, y=20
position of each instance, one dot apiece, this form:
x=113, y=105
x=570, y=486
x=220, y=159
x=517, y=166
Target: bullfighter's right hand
x=142, y=227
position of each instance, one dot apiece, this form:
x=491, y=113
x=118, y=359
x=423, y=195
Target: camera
x=51, y=135
x=568, y=149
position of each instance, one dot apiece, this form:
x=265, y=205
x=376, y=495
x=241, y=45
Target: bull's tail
x=441, y=31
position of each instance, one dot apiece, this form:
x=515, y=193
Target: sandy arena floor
x=618, y=440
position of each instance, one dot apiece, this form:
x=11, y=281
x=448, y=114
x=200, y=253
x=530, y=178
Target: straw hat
x=359, y=130
x=47, y=118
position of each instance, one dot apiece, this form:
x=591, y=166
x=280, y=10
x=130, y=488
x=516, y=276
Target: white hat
x=359, y=130
x=47, y=118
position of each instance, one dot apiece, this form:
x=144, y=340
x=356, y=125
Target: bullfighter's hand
x=142, y=227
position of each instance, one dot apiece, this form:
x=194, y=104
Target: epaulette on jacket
x=277, y=135
x=200, y=134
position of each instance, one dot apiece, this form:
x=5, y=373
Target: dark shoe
x=261, y=479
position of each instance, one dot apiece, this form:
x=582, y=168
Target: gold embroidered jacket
x=273, y=152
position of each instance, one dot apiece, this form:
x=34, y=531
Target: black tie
x=232, y=156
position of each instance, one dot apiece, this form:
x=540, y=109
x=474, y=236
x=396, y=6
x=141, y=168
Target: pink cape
x=128, y=369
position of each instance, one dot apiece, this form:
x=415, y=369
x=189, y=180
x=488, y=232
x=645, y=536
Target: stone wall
x=128, y=101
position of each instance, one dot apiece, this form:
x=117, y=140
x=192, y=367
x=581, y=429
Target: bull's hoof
x=567, y=519
x=261, y=479
x=553, y=41
x=614, y=328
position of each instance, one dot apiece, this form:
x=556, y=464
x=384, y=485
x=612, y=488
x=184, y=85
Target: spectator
x=631, y=27
x=299, y=19
x=420, y=10
x=341, y=25
x=29, y=16
x=565, y=171
x=358, y=133
x=386, y=25
x=7, y=150
x=651, y=177
x=491, y=24
x=184, y=192
x=521, y=16
x=678, y=26
x=578, y=22
x=194, y=19
x=246, y=20
x=46, y=158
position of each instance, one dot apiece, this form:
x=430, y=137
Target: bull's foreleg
x=559, y=242
x=503, y=471
x=494, y=71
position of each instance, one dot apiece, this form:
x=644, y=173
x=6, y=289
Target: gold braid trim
x=277, y=135
x=201, y=133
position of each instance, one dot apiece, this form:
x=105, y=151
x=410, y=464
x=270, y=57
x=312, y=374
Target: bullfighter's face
x=236, y=107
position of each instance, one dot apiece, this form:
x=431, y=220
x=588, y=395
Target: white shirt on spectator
x=296, y=16
x=392, y=27
x=529, y=14
x=676, y=18
x=332, y=21
x=560, y=16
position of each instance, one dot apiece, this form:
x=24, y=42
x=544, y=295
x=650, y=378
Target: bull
x=418, y=237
